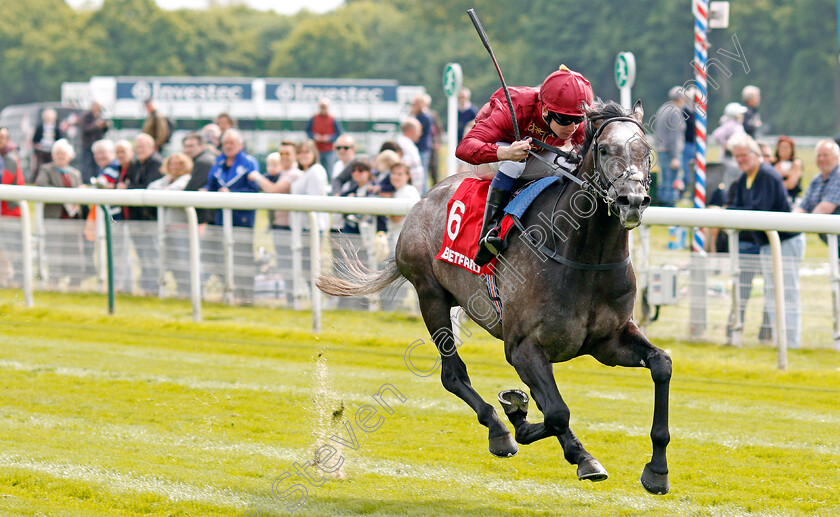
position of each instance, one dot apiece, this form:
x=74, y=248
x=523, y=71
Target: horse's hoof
x=655, y=483
x=591, y=470
x=503, y=446
x=513, y=401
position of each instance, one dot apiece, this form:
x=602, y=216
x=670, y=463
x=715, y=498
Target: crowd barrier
x=242, y=265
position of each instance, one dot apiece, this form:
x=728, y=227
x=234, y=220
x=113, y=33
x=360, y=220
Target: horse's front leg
x=530, y=362
x=632, y=349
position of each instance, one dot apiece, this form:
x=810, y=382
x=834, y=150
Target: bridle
x=602, y=187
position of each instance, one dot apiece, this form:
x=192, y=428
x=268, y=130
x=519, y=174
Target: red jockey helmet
x=565, y=91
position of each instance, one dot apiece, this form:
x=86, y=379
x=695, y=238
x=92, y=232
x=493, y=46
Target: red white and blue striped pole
x=701, y=45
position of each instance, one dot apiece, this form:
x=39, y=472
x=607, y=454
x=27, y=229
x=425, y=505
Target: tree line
x=789, y=48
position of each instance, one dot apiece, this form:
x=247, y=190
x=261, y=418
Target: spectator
x=381, y=171
x=225, y=122
x=116, y=177
x=64, y=246
x=104, y=154
x=360, y=186
x=211, y=134
x=751, y=95
x=176, y=169
x=410, y=131
x=434, y=159
x=730, y=125
x=689, y=147
x=46, y=134
x=8, y=150
x=107, y=171
x=10, y=237
x=281, y=171
x=156, y=125
x=203, y=157
x=823, y=193
x=94, y=127
x=391, y=145
x=420, y=111
x=345, y=148
x=144, y=169
x=669, y=127
x=466, y=111
x=230, y=174
x=766, y=152
x=10, y=172
x=114, y=163
x=401, y=179
x=788, y=166
x=324, y=129
x=312, y=182
x=59, y=173
x=760, y=188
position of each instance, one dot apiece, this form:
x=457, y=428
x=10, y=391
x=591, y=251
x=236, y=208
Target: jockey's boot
x=490, y=243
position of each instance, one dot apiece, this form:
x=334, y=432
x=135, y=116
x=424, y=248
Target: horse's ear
x=638, y=111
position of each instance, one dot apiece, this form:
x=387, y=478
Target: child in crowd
x=403, y=189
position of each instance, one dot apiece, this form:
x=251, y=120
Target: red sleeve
x=479, y=145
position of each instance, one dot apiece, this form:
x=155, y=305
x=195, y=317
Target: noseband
x=605, y=186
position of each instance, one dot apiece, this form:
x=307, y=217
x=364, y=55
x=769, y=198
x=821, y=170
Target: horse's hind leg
x=634, y=350
x=537, y=373
x=435, y=310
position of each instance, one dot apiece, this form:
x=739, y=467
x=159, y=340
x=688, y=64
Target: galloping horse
x=577, y=297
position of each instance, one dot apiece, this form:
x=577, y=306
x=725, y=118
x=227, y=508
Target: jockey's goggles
x=564, y=120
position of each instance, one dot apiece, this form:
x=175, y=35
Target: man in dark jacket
x=94, y=128
x=761, y=188
x=203, y=161
x=144, y=169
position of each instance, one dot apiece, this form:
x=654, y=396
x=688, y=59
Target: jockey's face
x=562, y=131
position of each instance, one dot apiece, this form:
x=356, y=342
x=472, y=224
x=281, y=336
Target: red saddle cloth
x=465, y=213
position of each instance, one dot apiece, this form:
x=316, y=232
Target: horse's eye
x=603, y=150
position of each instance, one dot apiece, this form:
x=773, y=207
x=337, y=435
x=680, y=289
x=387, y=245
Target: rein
x=563, y=260
x=600, y=189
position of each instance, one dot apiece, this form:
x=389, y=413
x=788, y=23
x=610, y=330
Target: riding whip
x=483, y=35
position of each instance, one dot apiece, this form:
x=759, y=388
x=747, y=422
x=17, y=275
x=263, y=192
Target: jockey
x=552, y=113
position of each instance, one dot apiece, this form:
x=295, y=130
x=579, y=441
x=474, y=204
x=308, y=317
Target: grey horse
x=566, y=285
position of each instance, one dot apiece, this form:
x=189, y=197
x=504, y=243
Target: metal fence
x=242, y=265
x=267, y=266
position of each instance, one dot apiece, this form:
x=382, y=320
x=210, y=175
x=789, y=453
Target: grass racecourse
x=147, y=413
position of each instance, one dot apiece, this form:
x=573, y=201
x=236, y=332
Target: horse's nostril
x=622, y=200
x=646, y=202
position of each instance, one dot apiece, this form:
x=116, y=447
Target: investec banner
x=309, y=91
x=185, y=90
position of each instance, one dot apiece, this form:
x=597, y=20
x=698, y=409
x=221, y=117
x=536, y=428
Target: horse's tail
x=354, y=279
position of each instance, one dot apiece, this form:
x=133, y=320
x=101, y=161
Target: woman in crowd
x=64, y=243
x=788, y=166
x=313, y=182
x=403, y=189
x=177, y=171
x=281, y=170
x=59, y=173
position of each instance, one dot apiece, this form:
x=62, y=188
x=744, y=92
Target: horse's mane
x=600, y=110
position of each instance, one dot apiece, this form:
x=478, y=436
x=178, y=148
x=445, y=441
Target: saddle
x=465, y=211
